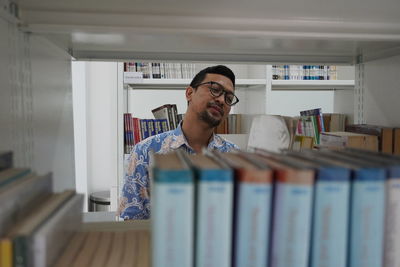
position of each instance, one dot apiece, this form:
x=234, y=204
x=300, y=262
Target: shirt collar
x=180, y=140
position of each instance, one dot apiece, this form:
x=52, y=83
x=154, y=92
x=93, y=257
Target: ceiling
x=305, y=31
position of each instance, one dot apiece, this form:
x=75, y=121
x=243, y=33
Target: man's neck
x=197, y=133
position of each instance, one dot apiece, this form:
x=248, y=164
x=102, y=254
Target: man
x=210, y=97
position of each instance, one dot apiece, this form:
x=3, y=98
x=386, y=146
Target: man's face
x=210, y=109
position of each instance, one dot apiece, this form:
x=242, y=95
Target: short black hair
x=219, y=69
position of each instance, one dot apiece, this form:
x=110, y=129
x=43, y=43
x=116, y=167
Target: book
x=17, y=198
x=292, y=207
x=172, y=211
x=392, y=202
x=329, y=236
x=168, y=112
x=12, y=174
x=384, y=134
x=302, y=142
x=29, y=236
x=396, y=141
x=346, y=139
x=367, y=209
x=251, y=211
x=50, y=239
x=214, y=201
x=6, y=160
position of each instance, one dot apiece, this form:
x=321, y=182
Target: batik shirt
x=135, y=199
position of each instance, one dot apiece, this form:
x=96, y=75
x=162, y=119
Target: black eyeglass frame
x=223, y=91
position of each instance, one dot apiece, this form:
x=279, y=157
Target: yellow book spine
x=6, y=253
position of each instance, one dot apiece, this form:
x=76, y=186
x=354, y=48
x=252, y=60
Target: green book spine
x=20, y=251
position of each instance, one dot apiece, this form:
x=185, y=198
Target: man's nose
x=221, y=98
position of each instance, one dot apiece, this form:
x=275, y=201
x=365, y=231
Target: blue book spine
x=214, y=218
x=172, y=218
x=144, y=129
x=164, y=125
x=150, y=127
x=291, y=225
x=331, y=218
x=367, y=217
x=157, y=126
x=252, y=224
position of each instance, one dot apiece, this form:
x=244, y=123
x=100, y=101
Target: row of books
x=231, y=125
x=136, y=130
x=311, y=124
x=35, y=223
x=297, y=209
x=304, y=72
x=162, y=70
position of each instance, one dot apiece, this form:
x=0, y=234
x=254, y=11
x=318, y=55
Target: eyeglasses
x=217, y=90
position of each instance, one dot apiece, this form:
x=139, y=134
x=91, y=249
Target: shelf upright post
x=359, y=92
x=268, y=89
x=116, y=186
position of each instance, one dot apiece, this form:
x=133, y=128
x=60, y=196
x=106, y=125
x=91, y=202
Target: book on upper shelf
x=304, y=72
x=161, y=70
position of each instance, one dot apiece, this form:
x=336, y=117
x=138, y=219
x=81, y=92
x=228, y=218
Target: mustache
x=215, y=104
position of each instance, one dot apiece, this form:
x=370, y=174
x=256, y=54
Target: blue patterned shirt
x=135, y=199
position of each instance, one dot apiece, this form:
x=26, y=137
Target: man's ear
x=189, y=93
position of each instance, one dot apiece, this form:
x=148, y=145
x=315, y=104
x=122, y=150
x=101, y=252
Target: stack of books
x=35, y=223
x=297, y=209
x=311, y=124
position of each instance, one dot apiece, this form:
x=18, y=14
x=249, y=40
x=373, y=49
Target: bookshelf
x=312, y=85
x=364, y=35
x=183, y=83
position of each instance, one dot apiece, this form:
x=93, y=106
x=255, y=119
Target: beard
x=208, y=118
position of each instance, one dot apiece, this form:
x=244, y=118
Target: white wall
x=290, y=103
x=141, y=102
x=382, y=92
x=79, y=91
x=101, y=110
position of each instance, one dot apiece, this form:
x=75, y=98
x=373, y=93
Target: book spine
x=150, y=127
x=214, y=219
x=392, y=219
x=6, y=253
x=157, y=126
x=331, y=218
x=252, y=224
x=291, y=225
x=164, y=125
x=20, y=249
x=367, y=218
x=172, y=217
x=6, y=160
x=170, y=118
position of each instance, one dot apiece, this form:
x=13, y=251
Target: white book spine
x=291, y=225
x=392, y=223
x=252, y=224
x=214, y=224
x=172, y=219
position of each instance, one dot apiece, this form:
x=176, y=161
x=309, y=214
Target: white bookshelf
x=312, y=84
x=183, y=83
